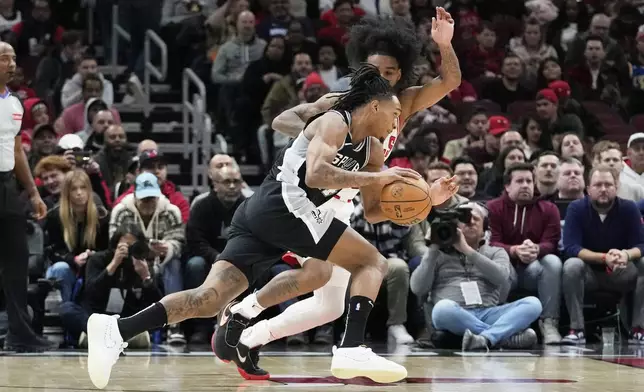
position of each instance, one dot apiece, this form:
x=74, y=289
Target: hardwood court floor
x=557, y=369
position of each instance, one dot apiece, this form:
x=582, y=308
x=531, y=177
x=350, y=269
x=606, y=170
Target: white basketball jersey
x=342, y=202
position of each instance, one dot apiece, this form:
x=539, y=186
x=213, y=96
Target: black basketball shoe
x=247, y=363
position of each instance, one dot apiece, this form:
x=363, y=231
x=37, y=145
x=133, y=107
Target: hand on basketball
x=442, y=27
x=442, y=190
x=396, y=173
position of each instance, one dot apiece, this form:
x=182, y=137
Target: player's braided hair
x=395, y=37
x=366, y=85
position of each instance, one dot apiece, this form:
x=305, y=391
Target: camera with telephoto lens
x=139, y=250
x=444, y=226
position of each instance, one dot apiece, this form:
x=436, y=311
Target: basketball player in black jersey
x=339, y=149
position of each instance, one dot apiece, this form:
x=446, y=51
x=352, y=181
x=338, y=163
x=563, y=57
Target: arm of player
x=330, y=135
x=291, y=121
x=370, y=194
x=417, y=98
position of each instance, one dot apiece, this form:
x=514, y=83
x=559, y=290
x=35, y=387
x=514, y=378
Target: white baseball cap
x=639, y=136
x=70, y=142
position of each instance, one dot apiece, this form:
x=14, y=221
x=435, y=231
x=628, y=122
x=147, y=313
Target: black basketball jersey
x=290, y=165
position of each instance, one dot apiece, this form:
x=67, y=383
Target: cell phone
x=82, y=157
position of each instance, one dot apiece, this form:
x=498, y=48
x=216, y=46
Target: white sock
x=248, y=307
x=257, y=335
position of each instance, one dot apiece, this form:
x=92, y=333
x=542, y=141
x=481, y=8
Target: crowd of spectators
x=542, y=135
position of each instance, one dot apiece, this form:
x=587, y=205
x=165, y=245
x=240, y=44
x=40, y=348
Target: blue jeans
x=74, y=318
x=195, y=272
x=543, y=276
x=496, y=323
x=172, y=276
x=62, y=272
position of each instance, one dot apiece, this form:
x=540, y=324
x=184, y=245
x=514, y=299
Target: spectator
x=599, y=28
x=36, y=113
x=78, y=116
x=161, y=222
x=497, y=126
x=532, y=49
x=546, y=174
x=595, y=78
x=50, y=171
x=222, y=23
x=573, y=19
x=94, y=133
x=35, y=35
x=43, y=144
x=570, y=185
x=424, y=148
x=258, y=79
x=636, y=65
x=217, y=163
x=507, y=88
x=529, y=230
x=207, y=232
x=549, y=71
x=477, y=126
x=511, y=139
x=387, y=238
x=283, y=94
x=56, y=68
x=9, y=16
x=18, y=84
x=465, y=171
x=298, y=42
x=110, y=273
x=569, y=106
x=604, y=241
x=329, y=66
x=491, y=180
x=344, y=17
x=71, y=148
x=449, y=279
x=151, y=161
x=572, y=147
x=536, y=140
x=546, y=103
x=73, y=88
x=610, y=154
x=483, y=59
x=115, y=156
x=278, y=19
x=76, y=228
x=634, y=164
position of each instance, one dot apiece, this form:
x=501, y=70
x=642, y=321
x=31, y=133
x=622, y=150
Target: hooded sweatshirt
x=511, y=224
x=73, y=91
x=28, y=123
x=74, y=118
x=165, y=224
x=170, y=191
x=233, y=59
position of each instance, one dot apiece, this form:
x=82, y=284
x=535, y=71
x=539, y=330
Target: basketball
x=405, y=203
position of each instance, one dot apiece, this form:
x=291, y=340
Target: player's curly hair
x=366, y=85
x=395, y=37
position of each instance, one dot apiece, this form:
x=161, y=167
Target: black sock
x=152, y=317
x=359, y=309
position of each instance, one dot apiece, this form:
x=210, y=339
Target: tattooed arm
x=418, y=98
x=291, y=121
x=329, y=134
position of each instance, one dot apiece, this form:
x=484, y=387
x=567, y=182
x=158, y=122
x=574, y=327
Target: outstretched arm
x=418, y=98
x=291, y=121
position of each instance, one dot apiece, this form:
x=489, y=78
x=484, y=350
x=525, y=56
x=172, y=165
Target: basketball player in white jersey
x=391, y=46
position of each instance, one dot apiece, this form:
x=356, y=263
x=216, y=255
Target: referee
x=13, y=231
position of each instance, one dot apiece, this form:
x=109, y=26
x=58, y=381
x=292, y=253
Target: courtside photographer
x=119, y=281
x=461, y=278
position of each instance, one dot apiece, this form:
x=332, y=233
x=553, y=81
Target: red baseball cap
x=313, y=79
x=560, y=87
x=548, y=95
x=498, y=125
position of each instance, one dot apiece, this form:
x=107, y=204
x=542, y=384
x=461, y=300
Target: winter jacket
x=165, y=224
x=57, y=249
x=170, y=191
x=207, y=228
x=73, y=91
x=511, y=224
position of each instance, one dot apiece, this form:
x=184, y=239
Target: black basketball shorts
x=276, y=219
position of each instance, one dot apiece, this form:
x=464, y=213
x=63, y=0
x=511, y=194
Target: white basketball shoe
x=104, y=346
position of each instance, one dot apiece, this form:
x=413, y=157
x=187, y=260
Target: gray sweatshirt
x=233, y=58
x=439, y=275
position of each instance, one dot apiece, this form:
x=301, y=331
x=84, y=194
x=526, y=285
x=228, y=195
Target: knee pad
x=330, y=298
